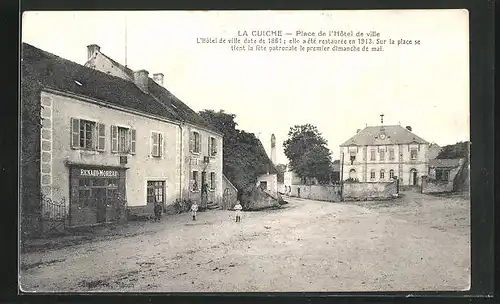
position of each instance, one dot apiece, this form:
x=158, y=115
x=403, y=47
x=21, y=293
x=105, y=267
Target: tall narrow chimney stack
x=273, y=149
x=141, y=79
x=158, y=78
x=92, y=49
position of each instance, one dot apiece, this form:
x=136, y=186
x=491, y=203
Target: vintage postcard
x=245, y=151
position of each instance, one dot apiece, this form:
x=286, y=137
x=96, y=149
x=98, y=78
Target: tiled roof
x=61, y=74
x=444, y=163
x=394, y=135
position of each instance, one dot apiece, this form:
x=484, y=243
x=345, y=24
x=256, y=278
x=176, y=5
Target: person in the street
x=238, y=208
x=158, y=208
x=194, y=209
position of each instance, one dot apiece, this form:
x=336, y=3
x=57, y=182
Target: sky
x=424, y=86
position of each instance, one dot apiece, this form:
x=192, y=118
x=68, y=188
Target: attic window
x=78, y=83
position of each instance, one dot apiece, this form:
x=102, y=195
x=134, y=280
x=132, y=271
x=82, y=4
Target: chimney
x=92, y=49
x=158, y=78
x=408, y=128
x=141, y=78
x=357, y=131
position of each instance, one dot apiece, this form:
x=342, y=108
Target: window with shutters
x=87, y=135
x=123, y=140
x=156, y=144
x=195, y=142
x=212, y=146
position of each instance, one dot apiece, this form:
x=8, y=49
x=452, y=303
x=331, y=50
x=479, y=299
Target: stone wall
x=369, y=191
x=329, y=193
x=435, y=186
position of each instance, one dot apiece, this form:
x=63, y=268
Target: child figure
x=194, y=209
x=238, y=211
x=158, y=209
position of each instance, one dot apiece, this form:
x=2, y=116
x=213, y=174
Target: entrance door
x=414, y=177
x=99, y=200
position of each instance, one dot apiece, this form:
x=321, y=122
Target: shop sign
x=98, y=173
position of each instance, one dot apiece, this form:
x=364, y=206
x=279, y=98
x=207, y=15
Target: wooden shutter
x=191, y=141
x=160, y=144
x=75, y=133
x=132, y=141
x=154, y=141
x=114, y=139
x=101, y=137
x=214, y=145
x=198, y=144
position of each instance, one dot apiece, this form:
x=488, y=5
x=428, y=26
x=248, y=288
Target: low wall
x=434, y=186
x=368, y=191
x=329, y=193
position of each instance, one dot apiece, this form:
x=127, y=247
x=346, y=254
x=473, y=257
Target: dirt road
x=416, y=243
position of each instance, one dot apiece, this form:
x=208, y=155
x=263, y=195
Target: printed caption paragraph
x=309, y=42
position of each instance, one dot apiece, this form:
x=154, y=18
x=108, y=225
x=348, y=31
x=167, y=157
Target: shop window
x=156, y=192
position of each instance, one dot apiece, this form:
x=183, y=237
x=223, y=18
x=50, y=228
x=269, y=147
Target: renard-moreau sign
x=98, y=173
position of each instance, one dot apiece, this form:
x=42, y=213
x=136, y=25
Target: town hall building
x=382, y=153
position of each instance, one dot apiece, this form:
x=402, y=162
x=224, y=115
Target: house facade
x=112, y=139
x=381, y=153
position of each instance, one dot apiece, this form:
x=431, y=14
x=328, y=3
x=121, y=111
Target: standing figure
x=158, y=208
x=194, y=209
x=238, y=211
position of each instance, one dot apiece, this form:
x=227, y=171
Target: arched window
x=382, y=174
x=391, y=173
x=372, y=174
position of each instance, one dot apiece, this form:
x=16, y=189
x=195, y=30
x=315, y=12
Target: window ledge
x=195, y=191
x=89, y=152
x=195, y=153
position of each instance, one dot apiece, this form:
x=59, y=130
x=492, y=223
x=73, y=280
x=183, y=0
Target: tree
x=307, y=152
x=244, y=157
x=458, y=150
x=316, y=163
x=281, y=172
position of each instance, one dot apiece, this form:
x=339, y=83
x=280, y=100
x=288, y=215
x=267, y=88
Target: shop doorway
x=95, y=196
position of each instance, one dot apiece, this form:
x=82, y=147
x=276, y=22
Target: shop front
x=97, y=195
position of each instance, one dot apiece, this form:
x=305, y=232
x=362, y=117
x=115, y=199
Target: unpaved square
x=415, y=243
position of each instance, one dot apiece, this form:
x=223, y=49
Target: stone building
x=380, y=153
x=109, y=135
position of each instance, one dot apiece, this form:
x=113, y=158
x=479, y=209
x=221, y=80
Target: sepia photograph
x=244, y=151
